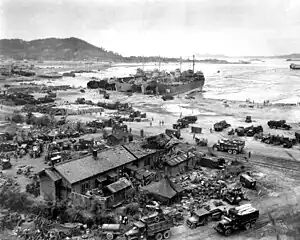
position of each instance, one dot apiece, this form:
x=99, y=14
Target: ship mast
x=193, y=63
x=180, y=63
x=159, y=64
x=143, y=62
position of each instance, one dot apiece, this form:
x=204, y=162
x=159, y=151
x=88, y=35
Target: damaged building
x=90, y=172
x=113, y=171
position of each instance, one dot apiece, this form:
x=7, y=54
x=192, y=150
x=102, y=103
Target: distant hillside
x=207, y=55
x=292, y=56
x=55, y=49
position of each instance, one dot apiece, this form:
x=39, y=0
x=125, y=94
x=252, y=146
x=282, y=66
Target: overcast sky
x=165, y=27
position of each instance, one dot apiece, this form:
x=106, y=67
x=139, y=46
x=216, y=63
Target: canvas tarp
x=164, y=189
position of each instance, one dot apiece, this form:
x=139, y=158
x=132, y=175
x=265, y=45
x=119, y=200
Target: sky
x=161, y=27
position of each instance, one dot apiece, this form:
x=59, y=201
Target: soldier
x=249, y=155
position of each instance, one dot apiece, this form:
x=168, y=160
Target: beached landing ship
x=50, y=75
x=155, y=82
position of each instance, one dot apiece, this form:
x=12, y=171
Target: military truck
x=35, y=152
x=247, y=181
x=281, y=124
x=180, y=125
x=248, y=119
x=230, y=146
x=188, y=119
x=240, y=131
x=167, y=97
x=233, y=196
x=202, y=216
x=110, y=231
x=242, y=217
x=5, y=164
x=219, y=126
x=157, y=226
x=252, y=130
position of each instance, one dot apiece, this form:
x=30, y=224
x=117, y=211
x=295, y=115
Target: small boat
x=295, y=66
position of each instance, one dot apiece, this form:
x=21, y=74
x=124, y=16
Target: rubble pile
x=26, y=171
x=4, y=181
x=33, y=188
x=8, y=220
x=201, y=188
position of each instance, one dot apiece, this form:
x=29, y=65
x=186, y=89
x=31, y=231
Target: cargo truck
x=156, y=226
x=242, y=217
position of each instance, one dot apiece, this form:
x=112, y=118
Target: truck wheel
x=247, y=226
x=156, y=219
x=252, y=224
x=109, y=236
x=230, y=151
x=158, y=236
x=243, y=184
x=234, y=152
x=167, y=234
x=227, y=232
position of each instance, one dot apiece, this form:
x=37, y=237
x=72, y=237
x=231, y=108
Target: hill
x=291, y=56
x=55, y=49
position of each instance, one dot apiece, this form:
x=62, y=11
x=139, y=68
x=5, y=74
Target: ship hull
x=181, y=88
x=162, y=89
x=123, y=87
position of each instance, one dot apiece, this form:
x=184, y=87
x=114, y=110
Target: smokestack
x=95, y=153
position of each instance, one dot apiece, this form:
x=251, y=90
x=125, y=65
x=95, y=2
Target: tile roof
x=119, y=134
x=179, y=159
x=176, y=160
x=119, y=185
x=137, y=150
x=84, y=168
x=51, y=173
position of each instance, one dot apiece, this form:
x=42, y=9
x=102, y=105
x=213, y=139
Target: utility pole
x=193, y=63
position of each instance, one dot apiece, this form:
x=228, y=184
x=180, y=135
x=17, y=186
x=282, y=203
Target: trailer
x=196, y=129
x=202, y=216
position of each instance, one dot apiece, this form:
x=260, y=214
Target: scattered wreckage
x=277, y=140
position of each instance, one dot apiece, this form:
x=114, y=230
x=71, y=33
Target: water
x=270, y=80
